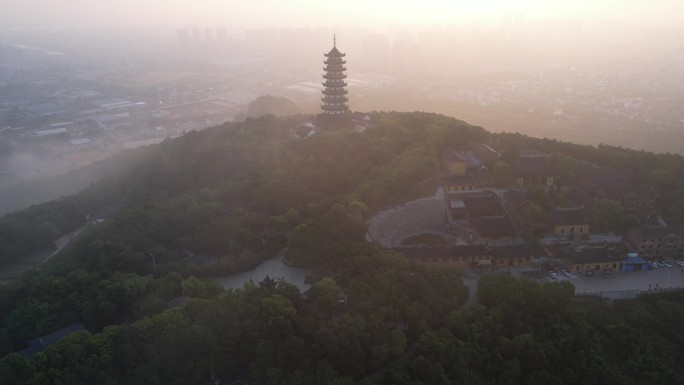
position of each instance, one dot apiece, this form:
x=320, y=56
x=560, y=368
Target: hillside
x=220, y=201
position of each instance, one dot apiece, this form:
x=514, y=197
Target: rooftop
x=569, y=216
x=493, y=226
x=452, y=156
x=618, y=193
x=512, y=251
x=482, y=202
x=598, y=255
x=81, y=141
x=516, y=198
x=455, y=180
x=533, y=163
x=661, y=232
x=598, y=177
x=334, y=52
x=444, y=252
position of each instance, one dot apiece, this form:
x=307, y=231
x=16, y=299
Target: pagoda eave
x=335, y=92
x=327, y=99
x=328, y=108
x=334, y=85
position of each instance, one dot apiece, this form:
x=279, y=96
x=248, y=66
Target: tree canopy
x=220, y=201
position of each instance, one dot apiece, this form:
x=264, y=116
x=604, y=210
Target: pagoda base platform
x=334, y=122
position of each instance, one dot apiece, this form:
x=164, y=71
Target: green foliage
x=568, y=168
x=325, y=293
x=528, y=333
x=272, y=105
x=608, y=216
x=196, y=288
x=236, y=194
x=534, y=214
x=502, y=173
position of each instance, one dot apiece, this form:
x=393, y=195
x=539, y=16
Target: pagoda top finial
x=334, y=41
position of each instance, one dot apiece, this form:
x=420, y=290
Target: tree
x=197, y=288
x=325, y=293
x=661, y=178
x=534, y=213
x=554, y=159
x=502, y=173
x=608, y=215
x=272, y=105
x=568, y=168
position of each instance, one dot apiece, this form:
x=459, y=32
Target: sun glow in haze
x=307, y=13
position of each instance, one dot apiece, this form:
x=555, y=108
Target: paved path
x=275, y=268
x=471, y=279
x=65, y=240
x=15, y=269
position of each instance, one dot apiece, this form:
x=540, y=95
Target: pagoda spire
x=334, y=91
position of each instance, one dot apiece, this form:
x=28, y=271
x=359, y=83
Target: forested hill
x=219, y=201
x=213, y=192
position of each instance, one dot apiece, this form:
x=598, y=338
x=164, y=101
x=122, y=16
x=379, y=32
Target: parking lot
x=657, y=279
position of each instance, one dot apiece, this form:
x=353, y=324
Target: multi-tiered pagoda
x=335, y=93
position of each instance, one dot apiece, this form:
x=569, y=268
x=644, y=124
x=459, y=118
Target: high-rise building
x=183, y=36
x=221, y=33
x=335, y=93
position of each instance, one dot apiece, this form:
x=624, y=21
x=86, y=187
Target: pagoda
x=335, y=93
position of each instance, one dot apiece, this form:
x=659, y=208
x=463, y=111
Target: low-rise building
x=50, y=132
x=634, y=263
x=511, y=256
x=570, y=222
x=461, y=162
x=492, y=228
x=630, y=198
x=533, y=170
x=474, y=205
x=592, y=177
x=460, y=183
x=450, y=257
x=656, y=242
x=516, y=199
x=594, y=261
x=486, y=153
x=453, y=163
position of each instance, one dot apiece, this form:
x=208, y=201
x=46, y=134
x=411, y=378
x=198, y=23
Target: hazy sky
x=305, y=13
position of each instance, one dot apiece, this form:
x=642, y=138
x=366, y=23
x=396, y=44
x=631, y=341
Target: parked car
x=566, y=273
x=660, y=263
x=653, y=264
x=667, y=264
x=553, y=274
x=680, y=263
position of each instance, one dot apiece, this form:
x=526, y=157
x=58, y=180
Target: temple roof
x=334, y=52
x=569, y=216
x=493, y=226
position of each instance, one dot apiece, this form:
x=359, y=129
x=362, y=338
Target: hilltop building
x=335, y=109
x=660, y=242
x=569, y=222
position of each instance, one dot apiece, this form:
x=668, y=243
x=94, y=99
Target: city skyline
x=302, y=13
